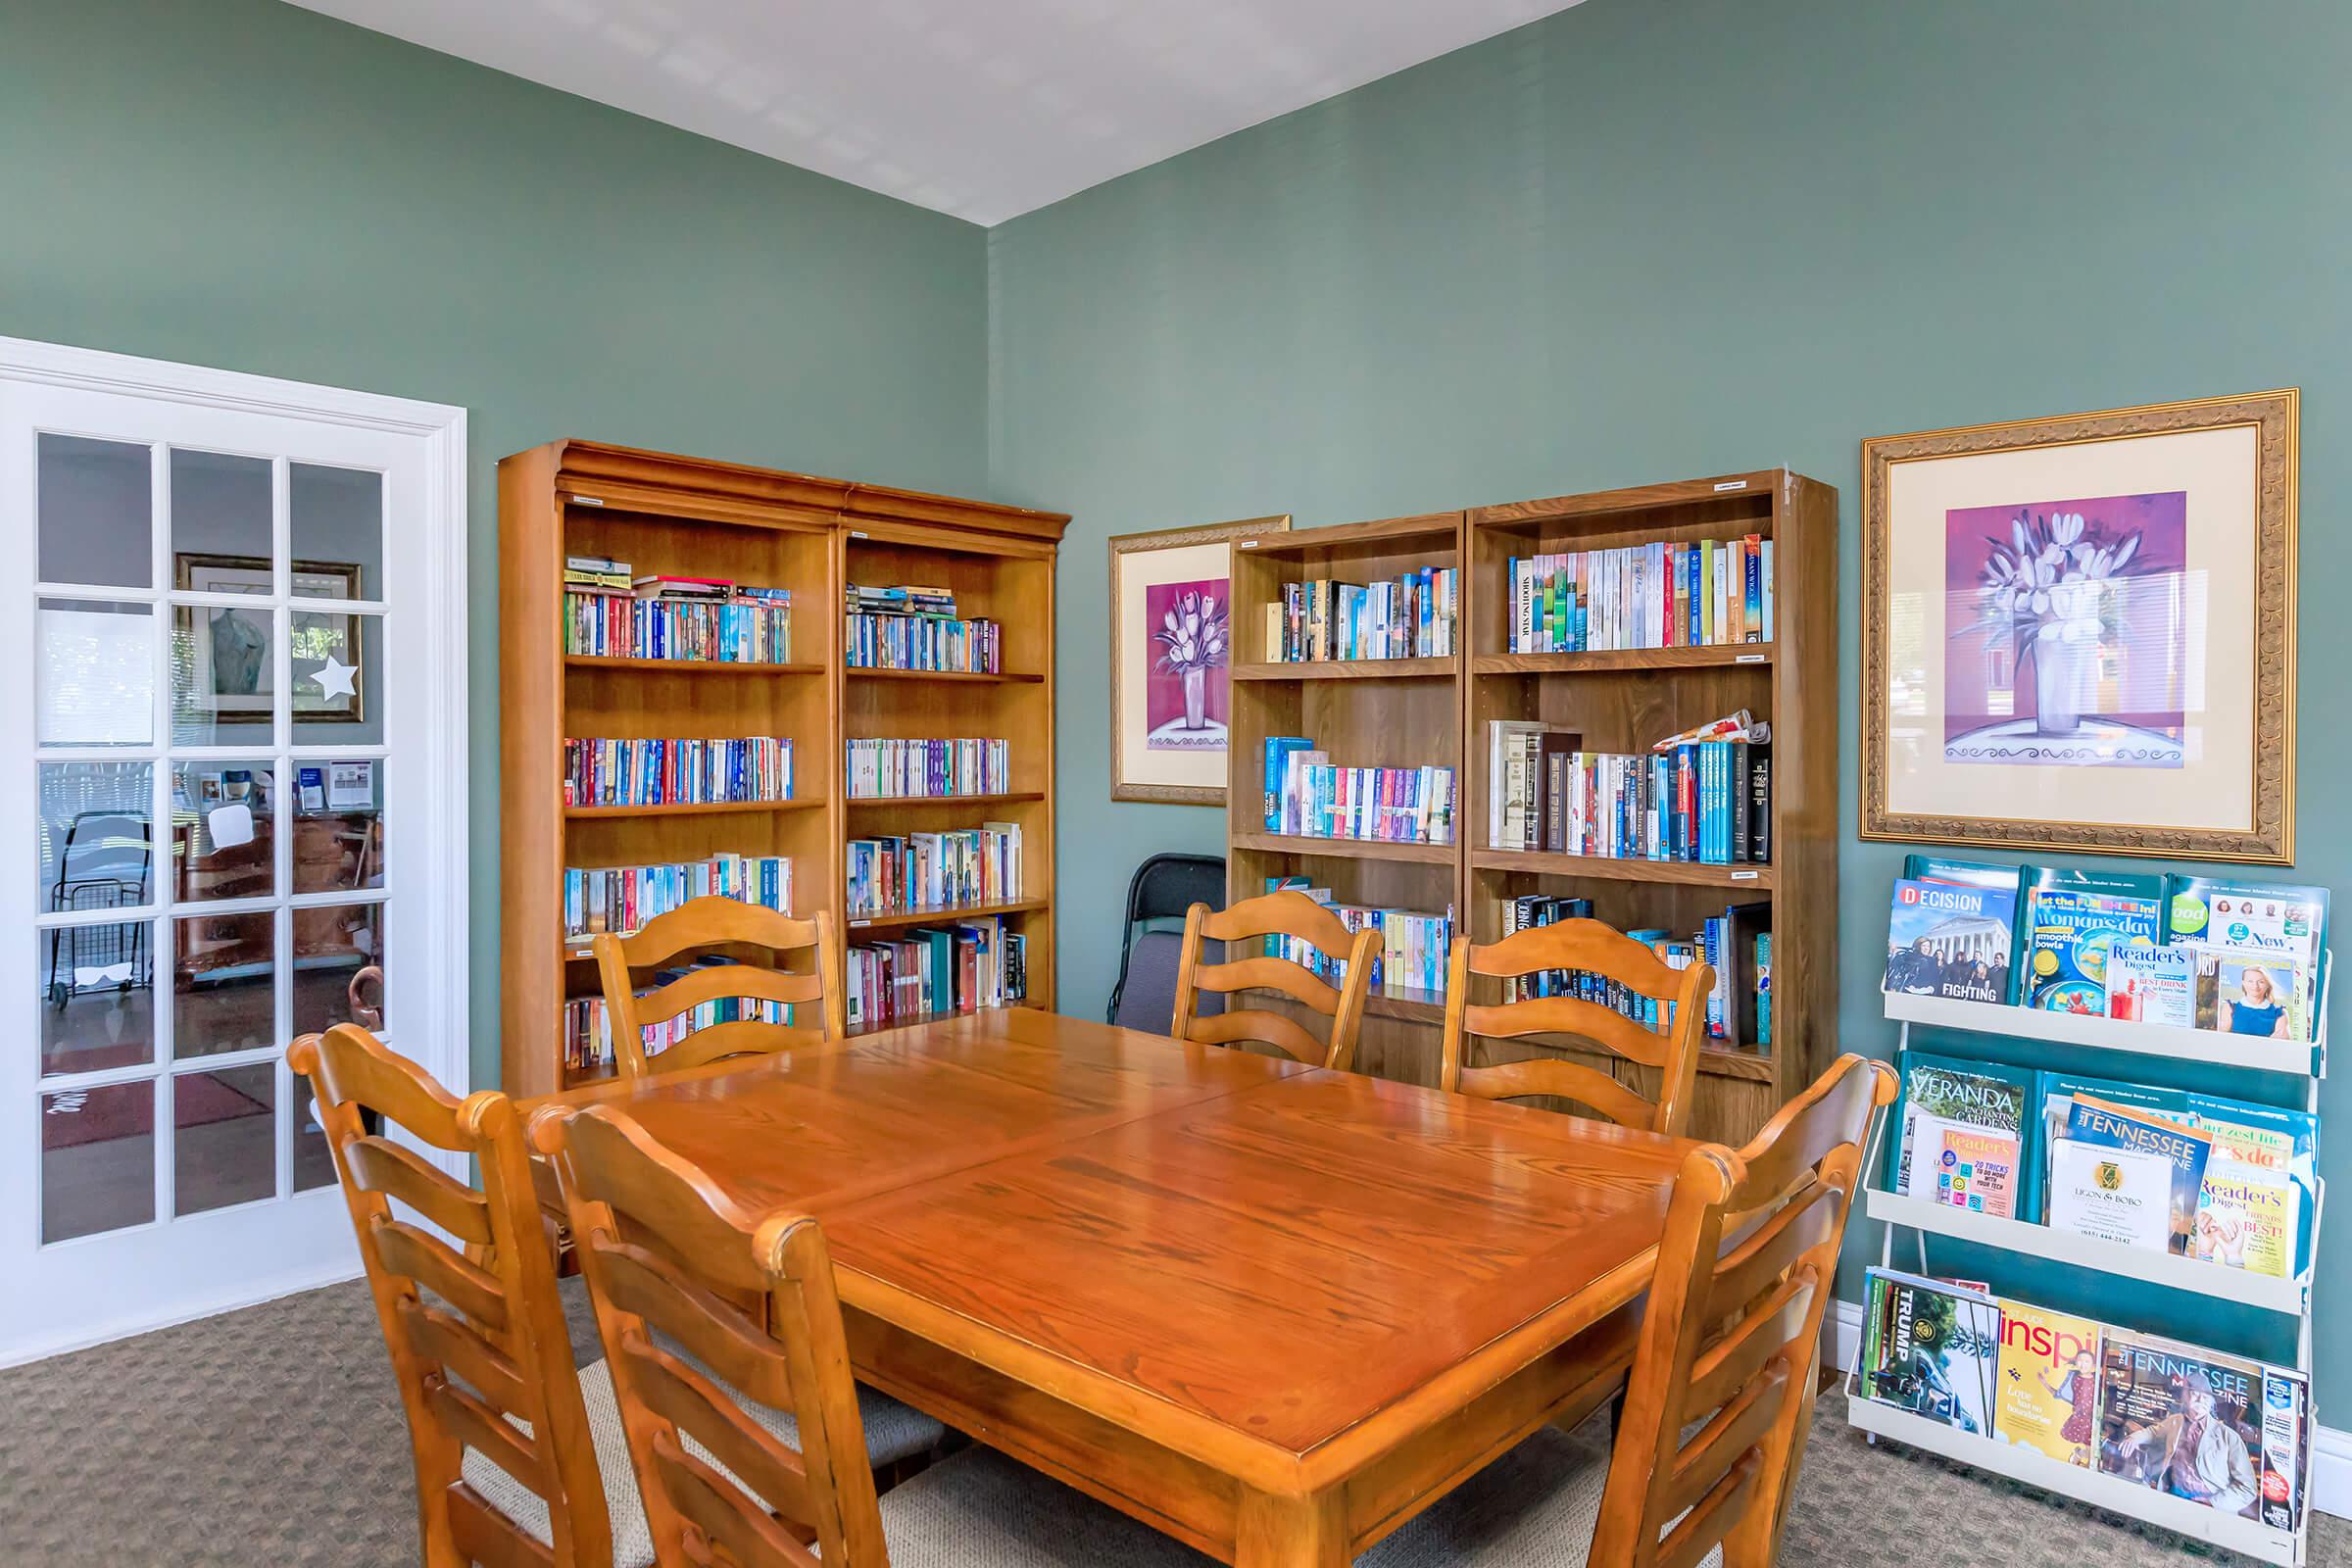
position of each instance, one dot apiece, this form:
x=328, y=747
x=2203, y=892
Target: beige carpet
x=273, y=1437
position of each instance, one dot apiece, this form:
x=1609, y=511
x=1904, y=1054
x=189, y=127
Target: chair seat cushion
x=979, y=1509
x=1535, y=1507
x=893, y=1432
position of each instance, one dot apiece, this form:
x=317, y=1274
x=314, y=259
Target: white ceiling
x=981, y=108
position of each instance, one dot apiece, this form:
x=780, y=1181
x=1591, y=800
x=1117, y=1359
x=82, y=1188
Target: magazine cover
x=2001, y=880
x=1979, y=1093
x=2073, y=920
x=2288, y=921
x=1932, y=1349
x=1945, y=940
x=2152, y=985
x=2109, y=1129
x=2285, y=1446
x=2048, y=1390
x=2177, y=1419
x=1975, y=1169
x=2266, y=1144
x=2246, y=992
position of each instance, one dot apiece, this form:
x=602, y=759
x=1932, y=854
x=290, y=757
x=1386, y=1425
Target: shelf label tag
x=1247, y=544
x=587, y=501
x=860, y=533
x=1748, y=658
x=856, y=923
x=1732, y=484
x=1743, y=876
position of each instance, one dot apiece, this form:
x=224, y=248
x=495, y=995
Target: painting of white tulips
x=1185, y=700
x=2075, y=637
x=2078, y=632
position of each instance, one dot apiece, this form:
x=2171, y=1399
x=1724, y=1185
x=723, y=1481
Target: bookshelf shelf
x=950, y=677
x=665, y=513
x=689, y=667
x=1350, y=669
x=696, y=809
x=897, y=919
x=1728, y=1061
x=1610, y=868
x=2036, y=1469
x=1347, y=849
x=2169, y=1269
x=1728, y=655
x=2300, y=1059
x=863, y=802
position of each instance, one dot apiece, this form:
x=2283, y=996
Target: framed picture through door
x=2079, y=632
x=1171, y=648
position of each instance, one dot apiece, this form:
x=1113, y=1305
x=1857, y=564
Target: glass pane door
x=210, y=790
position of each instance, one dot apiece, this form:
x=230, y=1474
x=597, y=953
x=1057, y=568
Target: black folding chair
x=1164, y=887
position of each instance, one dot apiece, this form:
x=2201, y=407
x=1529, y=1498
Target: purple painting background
x=2144, y=666
x=1164, y=690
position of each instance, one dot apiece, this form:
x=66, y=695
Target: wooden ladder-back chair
x=1587, y=947
x=1720, y=1397
x=1287, y=913
x=727, y=928
x=494, y=1345
x=727, y=1349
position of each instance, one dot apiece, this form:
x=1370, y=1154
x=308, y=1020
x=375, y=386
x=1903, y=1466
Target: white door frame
x=434, y=662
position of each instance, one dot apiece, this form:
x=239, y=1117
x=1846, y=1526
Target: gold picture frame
x=2059, y=618
x=1170, y=660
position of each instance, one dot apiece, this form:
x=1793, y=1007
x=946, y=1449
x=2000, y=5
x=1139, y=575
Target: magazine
x=1975, y=1169
x=2073, y=920
x=2182, y=1420
x=2270, y=1146
x=2152, y=985
x=1946, y=939
x=2050, y=1381
x=2285, y=1446
x=2258, y=948
x=1930, y=1348
x=1978, y=1093
x=2105, y=1133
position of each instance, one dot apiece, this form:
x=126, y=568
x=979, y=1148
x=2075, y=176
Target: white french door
x=232, y=768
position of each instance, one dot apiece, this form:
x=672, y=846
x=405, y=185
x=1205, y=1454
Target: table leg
x=1292, y=1531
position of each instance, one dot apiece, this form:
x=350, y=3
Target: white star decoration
x=334, y=677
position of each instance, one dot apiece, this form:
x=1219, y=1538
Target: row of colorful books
x=588, y=1026
x=1306, y=795
x=938, y=642
x=2190, y=952
x=1411, y=616
x=1415, y=944
x=1671, y=594
x=934, y=969
x=1704, y=802
x=677, y=772
x=2223, y=1431
x=887, y=768
x=918, y=871
x=1738, y=1002
x=2227, y=1181
x=753, y=626
x=622, y=898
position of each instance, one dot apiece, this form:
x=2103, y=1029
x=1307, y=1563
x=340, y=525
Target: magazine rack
x=2287, y=1297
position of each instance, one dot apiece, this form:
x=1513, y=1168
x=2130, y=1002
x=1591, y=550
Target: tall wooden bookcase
x=1415, y=712
x=693, y=518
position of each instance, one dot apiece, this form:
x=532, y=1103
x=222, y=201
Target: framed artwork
x=1171, y=648
x=2079, y=632
x=233, y=666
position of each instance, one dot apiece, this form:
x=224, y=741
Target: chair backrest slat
x=1731, y=1337
x=667, y=1256
x=1583, y=947
x=727, y=928
x=493, y=1373
x=1287, y=913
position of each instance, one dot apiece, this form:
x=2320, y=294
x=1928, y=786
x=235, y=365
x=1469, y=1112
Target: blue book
x=1277, y=761
x=2072, y=920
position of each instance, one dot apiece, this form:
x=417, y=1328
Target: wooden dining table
x=1272, y=1310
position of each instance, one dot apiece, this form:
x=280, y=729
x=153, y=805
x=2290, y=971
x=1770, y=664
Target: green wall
x=245, y=184
x=1643, y=241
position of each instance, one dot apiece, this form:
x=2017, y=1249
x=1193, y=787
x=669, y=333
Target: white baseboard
x=251, y=1294
x=2330, y=1452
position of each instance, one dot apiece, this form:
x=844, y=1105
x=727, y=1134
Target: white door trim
x=440, y=1043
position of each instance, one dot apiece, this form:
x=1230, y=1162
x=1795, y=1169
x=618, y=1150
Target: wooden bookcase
x=1374, y=712
x=1413, y=713
x=689, y=517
